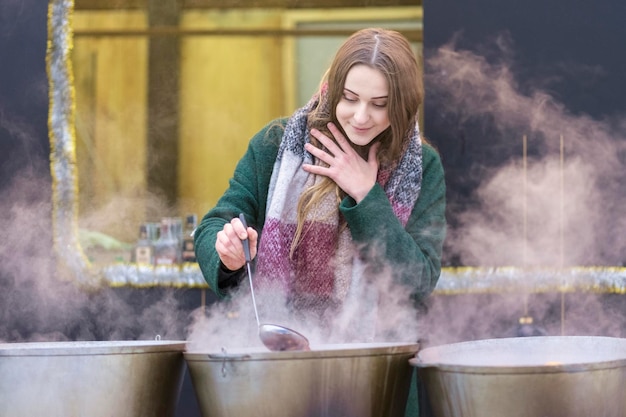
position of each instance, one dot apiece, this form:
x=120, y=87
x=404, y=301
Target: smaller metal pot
x=95, y=379
x=553, y=376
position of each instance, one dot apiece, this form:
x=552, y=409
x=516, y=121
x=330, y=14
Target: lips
x=360, y=130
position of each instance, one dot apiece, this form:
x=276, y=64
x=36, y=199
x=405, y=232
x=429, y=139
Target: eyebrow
x=373, y=98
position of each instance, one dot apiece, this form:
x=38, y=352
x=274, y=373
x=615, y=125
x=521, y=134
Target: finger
x=241, y=233
x=315, y=169
x=230, y=251
x=330, y=144
x=371, y=156
x=230, y=241
x=339, y=137
x=238, y=229
x=253, y=237
x=318, y=153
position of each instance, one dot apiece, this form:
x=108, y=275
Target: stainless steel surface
x=349, y=380
x=91, y=379
x=554, y=376
x=274, y=337
x=280, y=338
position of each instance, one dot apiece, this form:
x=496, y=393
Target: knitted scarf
x=324, y=264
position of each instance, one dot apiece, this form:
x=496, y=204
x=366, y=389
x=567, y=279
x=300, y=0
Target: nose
x=361, y=115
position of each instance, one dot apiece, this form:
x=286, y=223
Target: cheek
x=343, y=116
x=383, y=120
x=341, y=112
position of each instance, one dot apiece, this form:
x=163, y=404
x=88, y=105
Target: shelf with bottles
x=163, y=254
x=166, y=243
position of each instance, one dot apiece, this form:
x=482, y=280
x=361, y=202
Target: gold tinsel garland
x=467, y=280
x=72, y=261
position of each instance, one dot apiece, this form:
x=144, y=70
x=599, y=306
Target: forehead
x=366, y=81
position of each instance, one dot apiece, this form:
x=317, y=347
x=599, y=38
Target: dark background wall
x=569, y=50
x=554, y=39
x=24, y=145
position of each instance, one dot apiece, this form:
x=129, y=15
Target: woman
x=347, y=172
x=339, y=195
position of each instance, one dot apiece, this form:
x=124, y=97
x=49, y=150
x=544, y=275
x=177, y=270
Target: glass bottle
x=177, y=231
x=166, y=247
x=154, y=229
x=188, y=250
x=143, y=251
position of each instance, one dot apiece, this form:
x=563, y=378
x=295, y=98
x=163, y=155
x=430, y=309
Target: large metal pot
x=560, y=376
x=90, y=379
x=350, y=380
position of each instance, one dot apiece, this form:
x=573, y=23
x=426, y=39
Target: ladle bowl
x=281, y=338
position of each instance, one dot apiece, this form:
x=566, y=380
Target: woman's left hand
x=353, y=174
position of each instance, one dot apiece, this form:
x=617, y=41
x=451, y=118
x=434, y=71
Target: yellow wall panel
x=111, y=106
x=230, y=88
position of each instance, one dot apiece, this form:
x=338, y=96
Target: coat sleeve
x=412, y=253
x=246, y=193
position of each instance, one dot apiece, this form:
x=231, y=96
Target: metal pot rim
x=81, y=348
x=316, y=352
x=446, y=362
x=521, y=369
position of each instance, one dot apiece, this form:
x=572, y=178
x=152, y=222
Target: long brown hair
x=389, y=52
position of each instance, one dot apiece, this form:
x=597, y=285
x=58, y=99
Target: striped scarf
x=323, y=266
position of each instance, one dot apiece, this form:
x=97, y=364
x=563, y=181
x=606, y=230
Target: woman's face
x=362, y=110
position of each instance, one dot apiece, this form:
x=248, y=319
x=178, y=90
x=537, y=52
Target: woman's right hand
x=229, y=247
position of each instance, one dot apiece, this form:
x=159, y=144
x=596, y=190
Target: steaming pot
x=95, y=379
x=351, y=380
x=560, y=376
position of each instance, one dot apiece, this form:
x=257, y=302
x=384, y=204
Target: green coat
x=414, y=251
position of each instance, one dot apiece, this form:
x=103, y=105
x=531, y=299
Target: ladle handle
x=244, y=242
x=246, y=252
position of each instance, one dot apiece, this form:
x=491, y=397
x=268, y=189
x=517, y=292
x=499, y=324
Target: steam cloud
x=38, y=304
x=571, y=199
x=564, y=208
x=379, y=311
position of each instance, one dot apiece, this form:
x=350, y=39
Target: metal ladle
x=274, y=337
